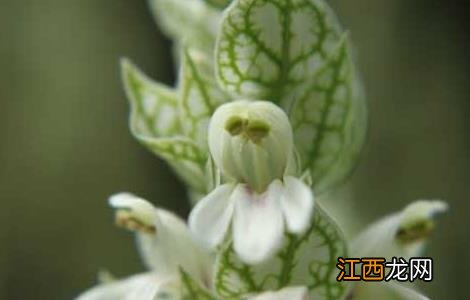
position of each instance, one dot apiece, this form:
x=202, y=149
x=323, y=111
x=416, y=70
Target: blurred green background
x=65, y=145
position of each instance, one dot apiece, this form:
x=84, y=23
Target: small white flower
x=402, y=234
x=165, y=245
x=252, y=145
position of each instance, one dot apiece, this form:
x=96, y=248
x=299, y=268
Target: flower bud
x=251, y=142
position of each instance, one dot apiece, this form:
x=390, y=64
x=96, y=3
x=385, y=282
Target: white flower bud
x=251, y=142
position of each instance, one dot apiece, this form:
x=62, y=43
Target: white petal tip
x=426, y=208
x=422, y=210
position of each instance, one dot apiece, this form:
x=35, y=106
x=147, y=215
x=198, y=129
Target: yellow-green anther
x=253, y=130
x=234, y=125
x=133, y=213
x=257, y=130
x=251, y=142
x=418, y=221
x=415, y=232
x=127, y=220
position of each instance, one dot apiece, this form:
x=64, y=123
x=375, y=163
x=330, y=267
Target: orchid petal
x=258, y=223
x=210, y=218
x=137, y=287
x=297, y=205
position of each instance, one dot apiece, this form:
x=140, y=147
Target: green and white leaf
x=155, y=123
x=306, y=260
x=329, y=119
x=193, y=22
x=154, y=105
x=268, y=47
x=184, y=156
x=199, y=96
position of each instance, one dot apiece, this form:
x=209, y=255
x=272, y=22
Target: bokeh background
x=65, y=145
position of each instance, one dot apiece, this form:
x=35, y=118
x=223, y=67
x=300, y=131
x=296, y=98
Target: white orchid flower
x=402, y=234
x=165, y=245
x=251, y=143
